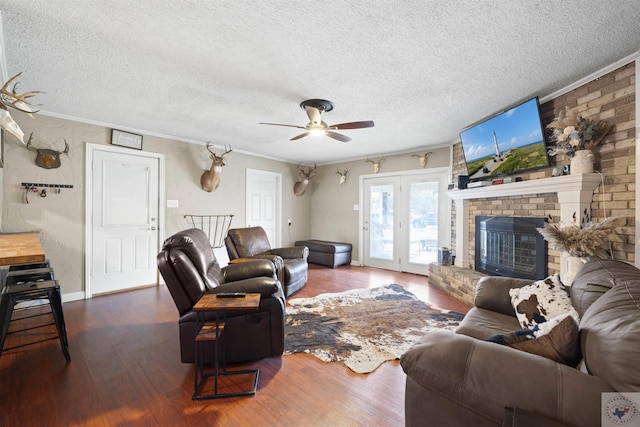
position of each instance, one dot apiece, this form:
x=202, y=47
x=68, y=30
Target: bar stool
x=28, y=275
x=14, y=267
x=20, y=273
x=46, y=289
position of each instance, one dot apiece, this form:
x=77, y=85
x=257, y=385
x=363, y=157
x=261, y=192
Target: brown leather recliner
x=252, y=242
x=189, y=267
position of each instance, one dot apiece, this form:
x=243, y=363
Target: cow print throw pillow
x=541, y=301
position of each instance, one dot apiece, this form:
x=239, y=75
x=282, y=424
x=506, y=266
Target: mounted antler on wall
x=301, y=186
x=46, y=157
x=423, y=158
x=376, y=164
x=10, y=98
x=343, y=175
x=210, y=179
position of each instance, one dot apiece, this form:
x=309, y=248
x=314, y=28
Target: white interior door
x=263, y=203
x=405, y=220
x=124, y=221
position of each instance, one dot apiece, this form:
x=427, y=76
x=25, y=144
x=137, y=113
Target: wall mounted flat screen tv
x=509, y=142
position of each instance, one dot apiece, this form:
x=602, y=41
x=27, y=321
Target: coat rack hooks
x=41, y=189
x=30, y=185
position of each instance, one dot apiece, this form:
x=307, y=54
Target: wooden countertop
x=20, y=248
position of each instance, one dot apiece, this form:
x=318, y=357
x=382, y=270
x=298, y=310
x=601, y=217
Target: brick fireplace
x=570, y=193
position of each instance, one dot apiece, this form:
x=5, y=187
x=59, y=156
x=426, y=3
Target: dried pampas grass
x=580, y=241
x=572, y=133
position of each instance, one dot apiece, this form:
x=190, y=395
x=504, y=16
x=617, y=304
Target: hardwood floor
x=126, y=370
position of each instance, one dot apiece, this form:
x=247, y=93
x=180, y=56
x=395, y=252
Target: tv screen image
x=506, y=143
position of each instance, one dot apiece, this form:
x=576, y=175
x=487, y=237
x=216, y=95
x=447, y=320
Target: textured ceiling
x=212, y=70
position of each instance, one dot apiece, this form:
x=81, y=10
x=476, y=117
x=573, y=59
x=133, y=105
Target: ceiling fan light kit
x=314, y=109
x=322, y=105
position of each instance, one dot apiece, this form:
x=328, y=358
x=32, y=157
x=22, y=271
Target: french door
x=405, y=219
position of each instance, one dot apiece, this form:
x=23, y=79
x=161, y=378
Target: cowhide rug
x=361, y=328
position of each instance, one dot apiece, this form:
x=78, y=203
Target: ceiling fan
x=314, y=109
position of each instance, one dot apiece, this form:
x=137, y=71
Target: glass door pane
x=423, y=226
x=381, y=222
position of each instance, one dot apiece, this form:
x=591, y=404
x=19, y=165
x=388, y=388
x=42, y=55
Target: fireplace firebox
x=510, y=246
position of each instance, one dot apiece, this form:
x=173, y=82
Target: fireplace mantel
x=558, y=184
x=575, y=193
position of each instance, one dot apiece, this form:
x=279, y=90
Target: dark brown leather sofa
x=252, y=242
x=189, y=267
x=458, y=379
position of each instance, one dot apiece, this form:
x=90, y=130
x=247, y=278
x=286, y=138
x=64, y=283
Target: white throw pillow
x=541, y=301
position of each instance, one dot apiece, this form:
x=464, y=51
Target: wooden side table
x=212, y=331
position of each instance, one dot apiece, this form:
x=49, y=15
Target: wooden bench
x=330, y=254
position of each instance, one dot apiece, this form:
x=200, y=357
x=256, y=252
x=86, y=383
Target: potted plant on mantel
x=576, y=136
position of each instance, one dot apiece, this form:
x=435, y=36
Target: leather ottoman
x=330, y=254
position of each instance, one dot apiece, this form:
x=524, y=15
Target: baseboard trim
x=73, y=296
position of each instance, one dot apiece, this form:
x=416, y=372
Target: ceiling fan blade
x=279, y=124
x=313, y=114
x=302, y=135
x=353, y=125
x=338, y=136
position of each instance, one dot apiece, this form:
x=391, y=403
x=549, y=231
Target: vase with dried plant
x=580, y=240
x=576, y=137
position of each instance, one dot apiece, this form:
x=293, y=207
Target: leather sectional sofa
x=459, y=379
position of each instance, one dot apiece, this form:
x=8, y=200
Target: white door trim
x=361, y=199
x=88, y=215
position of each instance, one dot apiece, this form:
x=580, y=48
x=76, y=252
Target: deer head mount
x=210, y=179
x=46, y=157
x=376, y=164
x=301, y=186
x=343, y=175
x=9, y=98
x=423, y=158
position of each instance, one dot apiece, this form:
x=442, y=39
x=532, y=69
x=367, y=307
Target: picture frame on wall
x=126, y=139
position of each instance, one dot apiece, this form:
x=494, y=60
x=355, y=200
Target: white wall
x=60, y=217
x=332, y=213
